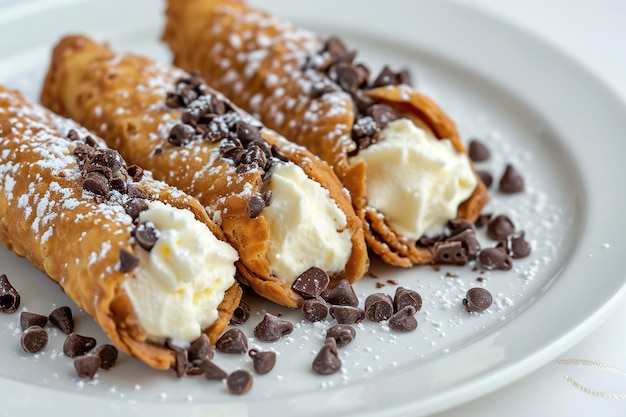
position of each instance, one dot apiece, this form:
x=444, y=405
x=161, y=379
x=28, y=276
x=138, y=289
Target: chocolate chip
x=109, y=158
x=314, y=309
x=72, y=135
x=254, y=155
x=61, y=317
x=9, y=297
x=219, y=106
x=338, y=51
x=389, y=77
x=181, y=134
x=364, y=131
x=347, y=314
x=103, y=170
x=77, y=345
x=495, y=258
x=239, y=382
x=232, y=341
x=181, y=360
x=386, y=77
x=311, y=283
x=118, y=184
x=500, y=227
x=320, y=88
x=511, y=181
x=108, y=355
x=263, y=361
x=255, y=206
x=450, y=253
x=97, y=184
x=346, y=75
x=187, y=95
x=362, y=101
x=477, y=299
x=31, y=319
x=216, y=132
x=172, y=100
x=468, y=241
x=34, y=339
x=342, y=333
x=136, y=192
x=200, y=349
x=364, y=74
x=232, y=149
x=247, y=133
x=378, y=307
x=128, y=261
x=135, y=172
x=520, y=248
x=406, y=297
x=82, y=152
x=382, y=114
x=272, y=328
x=404, y=77
x=134, y=207
x=478, y=152
x=483, y=219
x=404, y=320
x=459, y=225
x=485, y=177
x=341, y=295
x=86, y=366
x=241, y=313
x=327, y=361
x=90, y=141
x=277, y=153
x=193, y=369
x=211, y=370
x=430, y=241
x=146, y=235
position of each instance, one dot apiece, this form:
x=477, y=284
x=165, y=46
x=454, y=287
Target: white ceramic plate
x=529, y=103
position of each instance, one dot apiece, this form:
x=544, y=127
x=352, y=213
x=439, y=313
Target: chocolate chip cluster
x=337, y=63
x=104, y=170
x=198, y=360
x=459, y=244
x=208, y=117
x=455, y=247
x=34, y=338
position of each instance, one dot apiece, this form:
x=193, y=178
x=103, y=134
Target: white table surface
x=590, y=378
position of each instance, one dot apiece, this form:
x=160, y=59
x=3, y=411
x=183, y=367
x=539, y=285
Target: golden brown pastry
x=281, y=207
x=404, y=185
x=142, y=258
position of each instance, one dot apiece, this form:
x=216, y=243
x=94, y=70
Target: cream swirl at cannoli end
x=178, y=285
x=307, y=228
x=415, y=180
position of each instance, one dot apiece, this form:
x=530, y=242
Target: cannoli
x=281, y=207
x=140, y=257
x=393, y=148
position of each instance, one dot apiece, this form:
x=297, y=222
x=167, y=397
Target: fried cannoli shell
x=220, y=37
x=84, y=82
x=75, y=236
